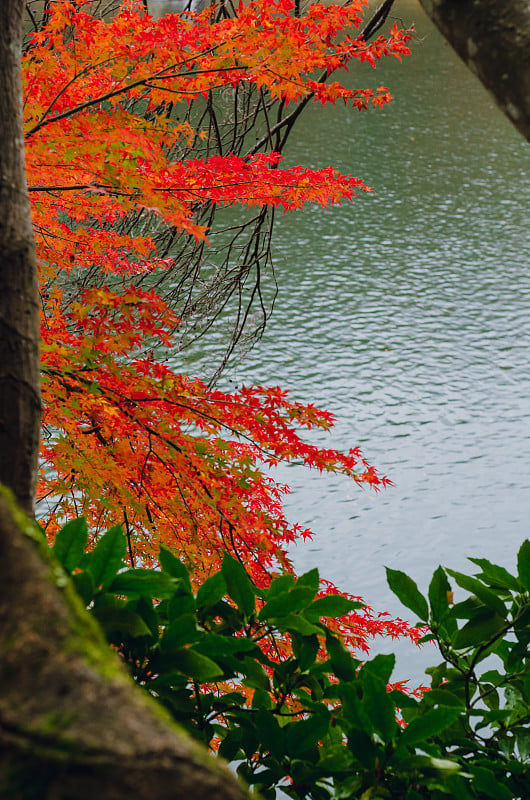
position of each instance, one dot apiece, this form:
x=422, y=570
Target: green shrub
x=261, y=674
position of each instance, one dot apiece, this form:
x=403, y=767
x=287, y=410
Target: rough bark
x=493, y=39
x=73, y=726
x=19, y=298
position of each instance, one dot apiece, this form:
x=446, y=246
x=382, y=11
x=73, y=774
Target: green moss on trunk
x=72, y=722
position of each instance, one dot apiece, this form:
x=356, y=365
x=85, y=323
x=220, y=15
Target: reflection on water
x=407, y=315
x=159, y=7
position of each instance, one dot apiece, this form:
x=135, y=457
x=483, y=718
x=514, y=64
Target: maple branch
x=187, y=92
x=76, y=77
x=128, y=534
x=82, y=106
x=151, y=432
x=377, y=21
x=196, y=190
x=32, y=17
x=213, y=120
x=240, y=325
x=367, y=33
x=192, y=72
x=116, y=92
x=184, y=499
x=251, y=550
x=74, y=188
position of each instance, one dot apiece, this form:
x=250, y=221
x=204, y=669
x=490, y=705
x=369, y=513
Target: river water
x=406, y=314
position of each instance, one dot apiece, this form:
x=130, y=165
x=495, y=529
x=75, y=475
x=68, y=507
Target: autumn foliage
x=126, y=439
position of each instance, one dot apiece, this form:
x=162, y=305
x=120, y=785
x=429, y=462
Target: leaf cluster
x=131, y=146
x=485, y=673
x=261, y=677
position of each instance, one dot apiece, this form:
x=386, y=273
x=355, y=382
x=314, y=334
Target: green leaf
x=523, y=743
x=195, y=665
x=239, y=586
x=122, y=621
x=335, y=758
x=180, y=603
x=317, y=692
x=474, y=586
x=144, y=607
x=402, y=700
x=429, y=637
x=516, y=656
x=261, y=699
x=279, y=585
x=514, y=698
x=379, y=706
x=407, y=591
x=490, y=696
x=269, y=733
x=526, y=687
x=433, y=722
x=298, y=623
x=496, y=576
x=211, y=591
x=493, y=676
x=303, y=735
x=107, y=556
x=467, y=609
x=144, y=582
x=174, y=567
x=439, y=588
x=231, y=744
x=523, y=564
x=437, y=674
x=305, y=649
x=342, y=661
x=443, y=697
x=481, y=629
x=228, y=618
x=484, y=781
x=310, y=579
x=296, y=599
x=381, y=666
x=353, y=709
x=362, y=747
x=180, y=632
x=255, y=675
x=219, y=647
x=522, y=617
x=430, y=764
x=70, y=543
x=84, y=585
x=229, y=699
x=331, y=605
x=249, y=742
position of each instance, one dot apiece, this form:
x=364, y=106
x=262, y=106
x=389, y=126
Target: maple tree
x=225, y=119
x=126, y=439
x=102, y=386
x=98, y=364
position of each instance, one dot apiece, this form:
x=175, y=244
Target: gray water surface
x=406, y=314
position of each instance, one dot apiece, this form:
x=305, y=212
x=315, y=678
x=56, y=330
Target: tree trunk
x=493, y=39
x=19, y=297
x=73, y=726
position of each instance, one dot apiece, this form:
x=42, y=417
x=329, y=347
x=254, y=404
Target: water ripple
x=407, y=315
